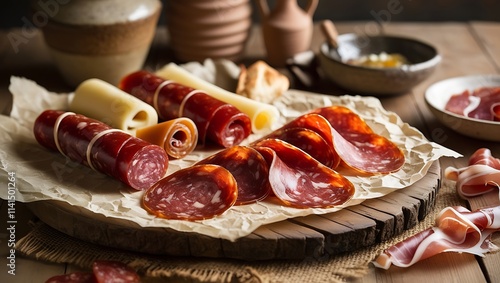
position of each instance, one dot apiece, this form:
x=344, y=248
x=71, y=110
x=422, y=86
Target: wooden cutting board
x=368, y=223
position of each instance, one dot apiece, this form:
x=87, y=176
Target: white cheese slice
x=262, y=115
x=103, y=101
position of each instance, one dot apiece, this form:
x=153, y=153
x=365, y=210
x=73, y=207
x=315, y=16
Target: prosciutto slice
x=217, y=121
x=482, y=103
x=457, y=229
x=357, y=145
x=481, y=176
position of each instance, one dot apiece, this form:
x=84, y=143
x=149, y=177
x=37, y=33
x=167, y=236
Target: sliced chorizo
x=299, y=180
x=358, y=146
x=193, y=193
x=248, y=167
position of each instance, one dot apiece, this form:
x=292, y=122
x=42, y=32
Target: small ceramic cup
x=104, y=39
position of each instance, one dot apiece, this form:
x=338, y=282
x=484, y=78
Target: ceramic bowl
x=438, y=94
x=423, y=60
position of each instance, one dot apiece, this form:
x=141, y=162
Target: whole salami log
x=299, y=180
x=249, y=169
x=193, y=193
x=216, y=121
x=358, y=146
x=131, y=160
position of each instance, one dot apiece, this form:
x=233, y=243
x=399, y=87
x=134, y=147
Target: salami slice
x=133, y=161
x=301, y=181
x=249, y=169
x=358, y=146
x=75, y=277
x=217, y=121
x=311, y=133
x=106, y=271
x=193, y=193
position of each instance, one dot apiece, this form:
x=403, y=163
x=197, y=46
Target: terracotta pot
x=287, y=29
x=201, y=29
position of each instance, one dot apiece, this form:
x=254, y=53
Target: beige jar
x=104, y=39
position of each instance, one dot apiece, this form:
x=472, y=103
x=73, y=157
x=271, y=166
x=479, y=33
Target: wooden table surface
x=467, y=49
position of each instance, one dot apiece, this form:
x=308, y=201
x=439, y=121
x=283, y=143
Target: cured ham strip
x=481, y=176
x=217, y=121
x=194, y=193
x=248, y=167
x=299, y=180
x=131, y=160
x=357, y=145
x=178, y=137
x=313, y=134
x=457, y=230
x=482, y=103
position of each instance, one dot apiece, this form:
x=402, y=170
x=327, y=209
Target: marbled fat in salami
x=133, y=161
x=106, y=271
x=216, y=121
x=358, y=146
x=248, y=167
x=193, y=193
x=299, y=180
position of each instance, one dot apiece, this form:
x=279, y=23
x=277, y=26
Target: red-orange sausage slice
x=301, y=181
x=358, y=146
x=248, y=167
x=193, y=193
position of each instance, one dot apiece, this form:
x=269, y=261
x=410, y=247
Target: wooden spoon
x=330, y=33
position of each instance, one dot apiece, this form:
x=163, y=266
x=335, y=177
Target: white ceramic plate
x=438, y=94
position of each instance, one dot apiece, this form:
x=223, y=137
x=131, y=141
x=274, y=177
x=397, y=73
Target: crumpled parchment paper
x=45, y=175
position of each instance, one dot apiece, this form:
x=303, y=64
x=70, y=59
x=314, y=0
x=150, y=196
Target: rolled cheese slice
x=103, y=101
x=178, y=137
x=263, y=115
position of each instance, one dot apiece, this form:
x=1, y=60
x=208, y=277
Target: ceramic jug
x=287, y=28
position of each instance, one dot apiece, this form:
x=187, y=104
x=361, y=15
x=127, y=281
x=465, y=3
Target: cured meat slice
x=178, y=137
x=249, y=169
x=457, y=230
x=75, y=277
x=216, y=120
x=301, y=181
x=358, y=146
x=481, y=176
x=106, y=271
x=193, y=193
x=482, y=103
x=312, y=133
x=131, y=160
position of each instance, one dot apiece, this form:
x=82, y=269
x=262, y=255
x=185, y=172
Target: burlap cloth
x=45, y=243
